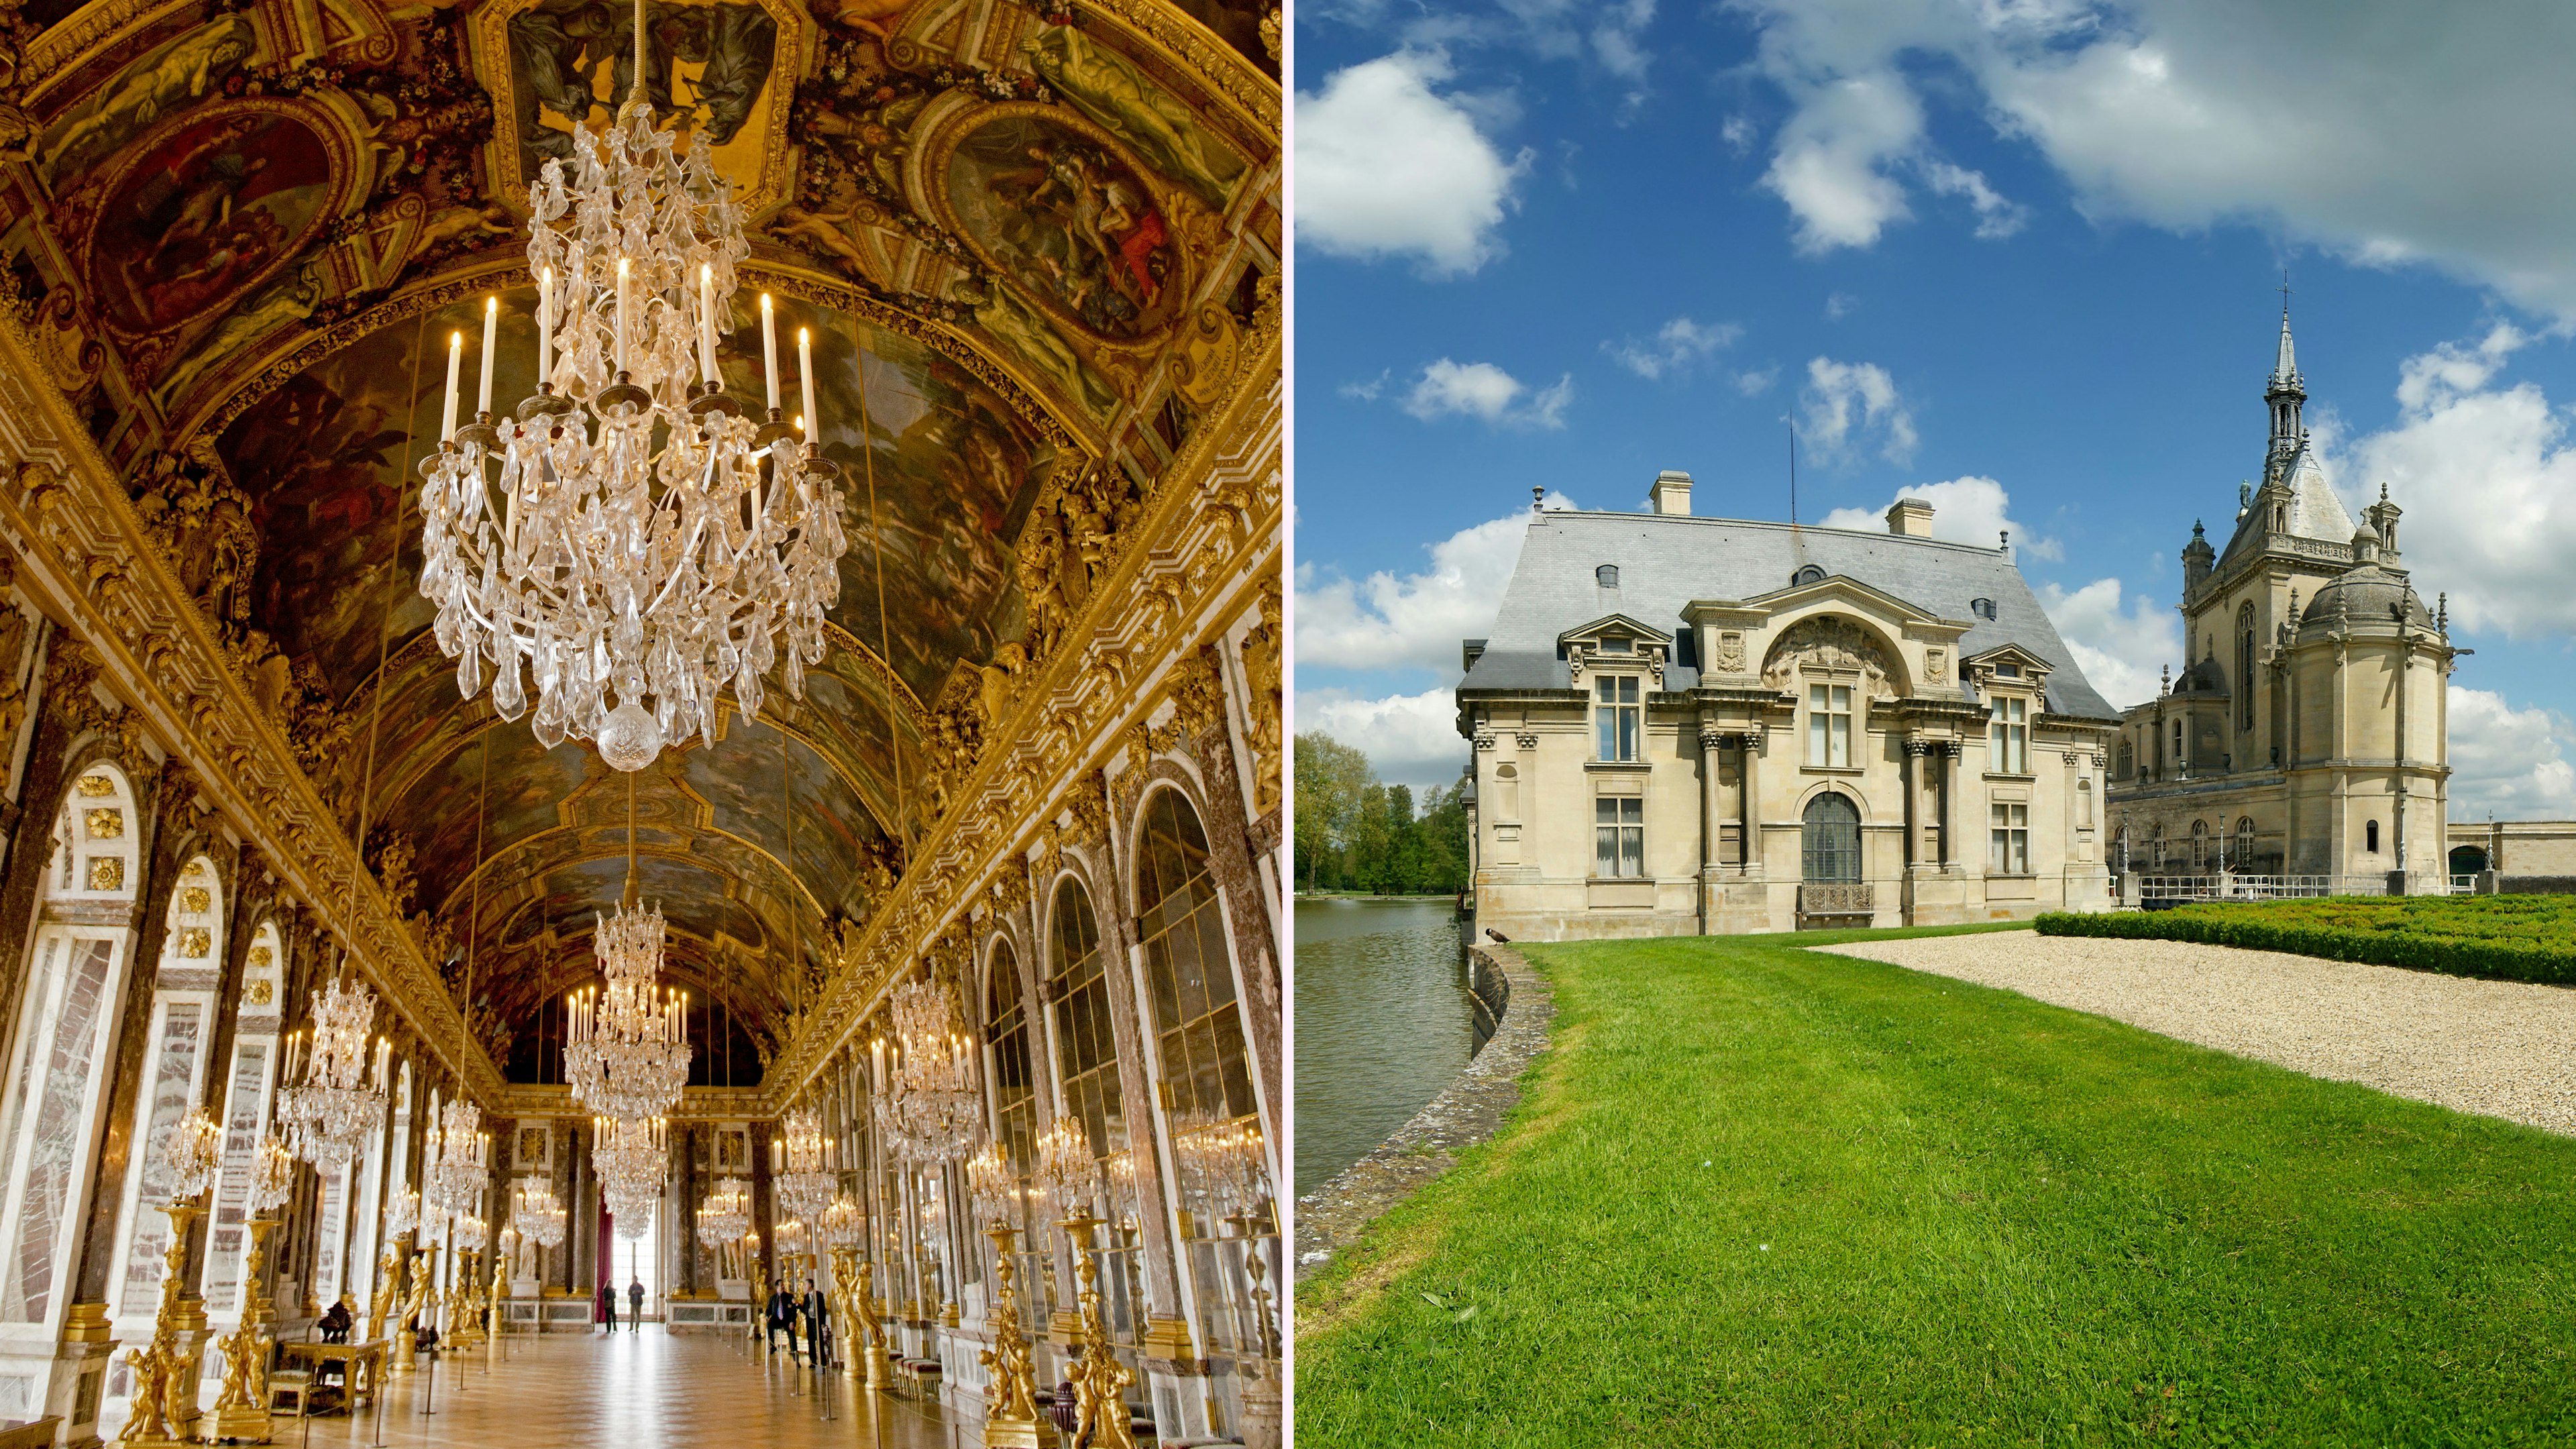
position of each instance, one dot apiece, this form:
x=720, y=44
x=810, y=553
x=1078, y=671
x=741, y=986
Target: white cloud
x=2486, y=472
x=1482, y=390
x=1840, y=305
x=1390, y=621
x=1674, y=348
x=2509, y=761
x=1830, y=165
x=2391, y=131
x=1846, y=403
x=2120, y=651
x=1964, y=510
x=1737, y=133
x=1757, y=381
x=1997, y=217
x=1386, y=167
x=1411, y=739
x=1369, y=390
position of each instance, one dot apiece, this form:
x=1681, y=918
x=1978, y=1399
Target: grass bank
x=2512, y=938
x=1763, y=1196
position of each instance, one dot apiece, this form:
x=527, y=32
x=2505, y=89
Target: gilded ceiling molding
x=1211, y=524
x=1188, y=46
x=85, y=556
x=60, y=48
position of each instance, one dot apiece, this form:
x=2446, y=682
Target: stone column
x=1752, y=754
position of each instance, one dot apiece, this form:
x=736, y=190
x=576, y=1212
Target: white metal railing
x=2464, y=885
x=2227, y=886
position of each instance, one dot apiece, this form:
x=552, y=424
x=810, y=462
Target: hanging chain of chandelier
x=339, y=1101
x=928, y=1109
x=648, y=541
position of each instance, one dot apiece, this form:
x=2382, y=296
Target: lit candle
x=707, y=324
x=777, y=1155
x=545, y=322
x=769, y=349
x=805, y=376
x=491, y=331
x=622, y=306
x=455, y=361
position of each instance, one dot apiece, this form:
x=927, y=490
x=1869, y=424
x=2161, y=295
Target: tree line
x=1356, y=834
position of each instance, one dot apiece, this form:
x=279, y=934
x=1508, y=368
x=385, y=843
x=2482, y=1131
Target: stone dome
x=2370, y=594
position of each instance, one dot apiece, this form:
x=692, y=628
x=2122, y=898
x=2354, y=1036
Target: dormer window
x=1615, y=722
x=1982, y=608
x=1616, y=644
x=1811, y=574
x=2007, y=671
x=1607, y=576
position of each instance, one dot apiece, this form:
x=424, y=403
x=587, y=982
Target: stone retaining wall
x=1469, y=1111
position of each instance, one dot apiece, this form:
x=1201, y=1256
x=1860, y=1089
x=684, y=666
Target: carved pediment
x=1829, y=641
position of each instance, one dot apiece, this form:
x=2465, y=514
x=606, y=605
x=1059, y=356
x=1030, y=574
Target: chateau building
x=2307, y=733
x=1697, y=725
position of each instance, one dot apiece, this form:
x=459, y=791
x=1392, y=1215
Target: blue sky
x=2023, y=254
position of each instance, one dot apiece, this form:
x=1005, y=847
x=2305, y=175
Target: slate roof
x=1666, y=561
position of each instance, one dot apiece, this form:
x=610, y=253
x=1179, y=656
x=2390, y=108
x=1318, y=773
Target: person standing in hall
x=635, y=1306
x=818, y=1325
x=608, y=1306
x=782, y=1316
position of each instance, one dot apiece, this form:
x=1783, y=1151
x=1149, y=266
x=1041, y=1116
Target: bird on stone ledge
x=1497, y=935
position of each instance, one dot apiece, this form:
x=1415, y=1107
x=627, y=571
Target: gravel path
x=2499, y=1048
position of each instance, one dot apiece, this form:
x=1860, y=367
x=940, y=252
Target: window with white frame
x=1615, y=717
x=2008, y=844
x=1619, y=836
x=1829, y=725
x=2008, y=737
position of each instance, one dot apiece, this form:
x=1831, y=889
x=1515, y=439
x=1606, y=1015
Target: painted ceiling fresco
x=240, y=234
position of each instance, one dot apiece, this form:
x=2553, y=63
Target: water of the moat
x=1384, y=1023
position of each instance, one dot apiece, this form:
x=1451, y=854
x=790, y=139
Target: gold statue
x=151, y=1421
x=388, y=1291
x=406, y=1340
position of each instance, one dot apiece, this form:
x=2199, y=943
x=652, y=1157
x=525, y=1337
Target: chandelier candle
x=769, y=349
x=545, y=323
x=455, y=361
x=491, y=330
x=805, y=377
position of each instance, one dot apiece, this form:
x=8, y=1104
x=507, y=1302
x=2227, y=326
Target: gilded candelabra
x=165, y=1388
x=241, y=1409
x=1099, y=1380
x=1011, y=1417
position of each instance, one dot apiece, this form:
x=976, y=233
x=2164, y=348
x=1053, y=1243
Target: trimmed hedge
x=2510, y=938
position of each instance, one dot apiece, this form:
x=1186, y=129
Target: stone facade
x=1692, y=726
x=2307, y=734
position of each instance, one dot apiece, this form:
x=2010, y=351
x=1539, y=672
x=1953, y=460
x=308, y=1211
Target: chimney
x=1672, y=493
x=1910, y=518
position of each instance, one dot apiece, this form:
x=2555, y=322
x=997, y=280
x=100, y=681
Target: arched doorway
x=2468, y=859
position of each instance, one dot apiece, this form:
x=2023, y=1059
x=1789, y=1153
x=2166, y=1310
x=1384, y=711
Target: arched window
x=191, y=947
x=2370, y=837
x=1829, y=840
x=1086, y=1047
x=1811, y=574
x=2244, y=842
x=2200, y=845
x=1006, y=1033
x=1189, y=968
x=70, y=999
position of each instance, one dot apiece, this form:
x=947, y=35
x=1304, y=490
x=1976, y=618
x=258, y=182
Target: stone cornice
x=83, y=555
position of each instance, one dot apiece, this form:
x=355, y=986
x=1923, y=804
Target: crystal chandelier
x=402, y=1214
x=992, y=1184
x=630, y=1158
x=1064, y=1164
x=929, y=1109
x=273, y=1177
x=329, y=1114
x=626, y=1050
x=194, y=1153
x=470, y=1234
x=844, y=1224
x=610, y=566
x=457, y=1151
x=535, y=1213
x=801, y=1163
x=1221, y=1160
x=725, y=1214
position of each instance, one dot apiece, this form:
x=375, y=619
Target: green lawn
x=1762, y=1196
